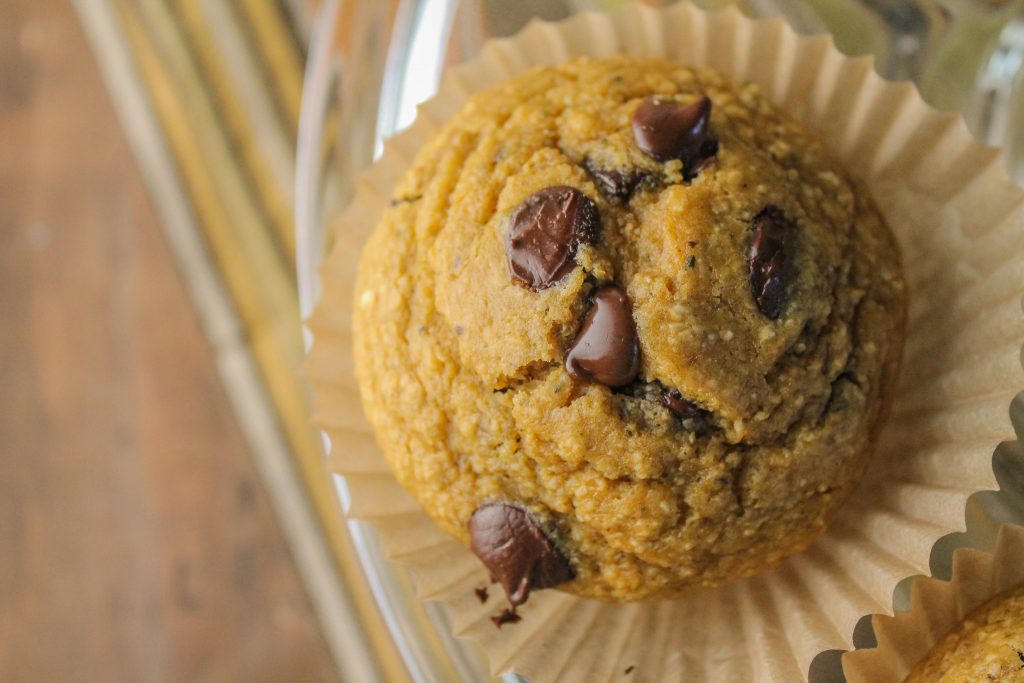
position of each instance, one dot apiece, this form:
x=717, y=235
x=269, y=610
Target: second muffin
x=987, y=646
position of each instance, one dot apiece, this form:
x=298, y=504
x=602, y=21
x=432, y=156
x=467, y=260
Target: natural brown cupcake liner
x=958, y=218
x=937, y=607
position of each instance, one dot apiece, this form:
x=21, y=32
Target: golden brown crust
x=461, y=369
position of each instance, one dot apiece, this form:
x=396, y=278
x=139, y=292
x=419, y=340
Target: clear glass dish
x=371, y=61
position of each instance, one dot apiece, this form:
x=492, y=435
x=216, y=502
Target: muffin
x=626, y=329
x=987, y=646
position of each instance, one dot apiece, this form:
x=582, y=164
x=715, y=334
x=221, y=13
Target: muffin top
x=637, y=319
x=987, y=646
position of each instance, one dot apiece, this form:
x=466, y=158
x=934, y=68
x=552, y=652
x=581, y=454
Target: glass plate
x=372, y=61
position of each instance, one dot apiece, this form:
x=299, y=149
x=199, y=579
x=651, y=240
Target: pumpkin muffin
x=627, y=329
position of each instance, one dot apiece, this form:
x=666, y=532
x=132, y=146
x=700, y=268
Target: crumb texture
x=760, y=383
x=987, y=646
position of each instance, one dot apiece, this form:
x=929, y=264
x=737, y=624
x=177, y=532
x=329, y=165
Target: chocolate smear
x=545, y=232
x=515, y=550
x=506, y=616
x=693, y=417
x=770, y=258
x=606, y=350
x=614, y=183
x=668, y=130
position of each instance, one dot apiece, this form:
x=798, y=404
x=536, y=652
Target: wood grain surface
x=136, y=542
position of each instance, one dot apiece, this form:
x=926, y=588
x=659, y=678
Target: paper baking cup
x=936, y=608
x=958, y=218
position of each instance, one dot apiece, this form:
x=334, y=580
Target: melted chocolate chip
x=546, y=230
x=481, y=594
x=616, y=184
x=606, y=349
x=669, y=130
x=515, y=550
x=770, y=256
x=693, y=417
x=506, y=616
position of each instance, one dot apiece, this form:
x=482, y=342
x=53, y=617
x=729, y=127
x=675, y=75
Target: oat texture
x=987, y=646
x=461, y=368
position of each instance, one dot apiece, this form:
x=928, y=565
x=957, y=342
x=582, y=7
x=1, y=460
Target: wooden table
x=136, y=542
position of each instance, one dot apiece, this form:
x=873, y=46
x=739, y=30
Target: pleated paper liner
x=958, y=218
x=937, y=607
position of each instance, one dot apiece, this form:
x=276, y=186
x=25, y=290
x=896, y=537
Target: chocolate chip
x=606, y=349
x=693, y=417
x=546, y=230
x=629, y=670
x=616, y=184
x=515, y=550
x=481, y=594
x=770, y=256
x=506, y=616
x=669, y=130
